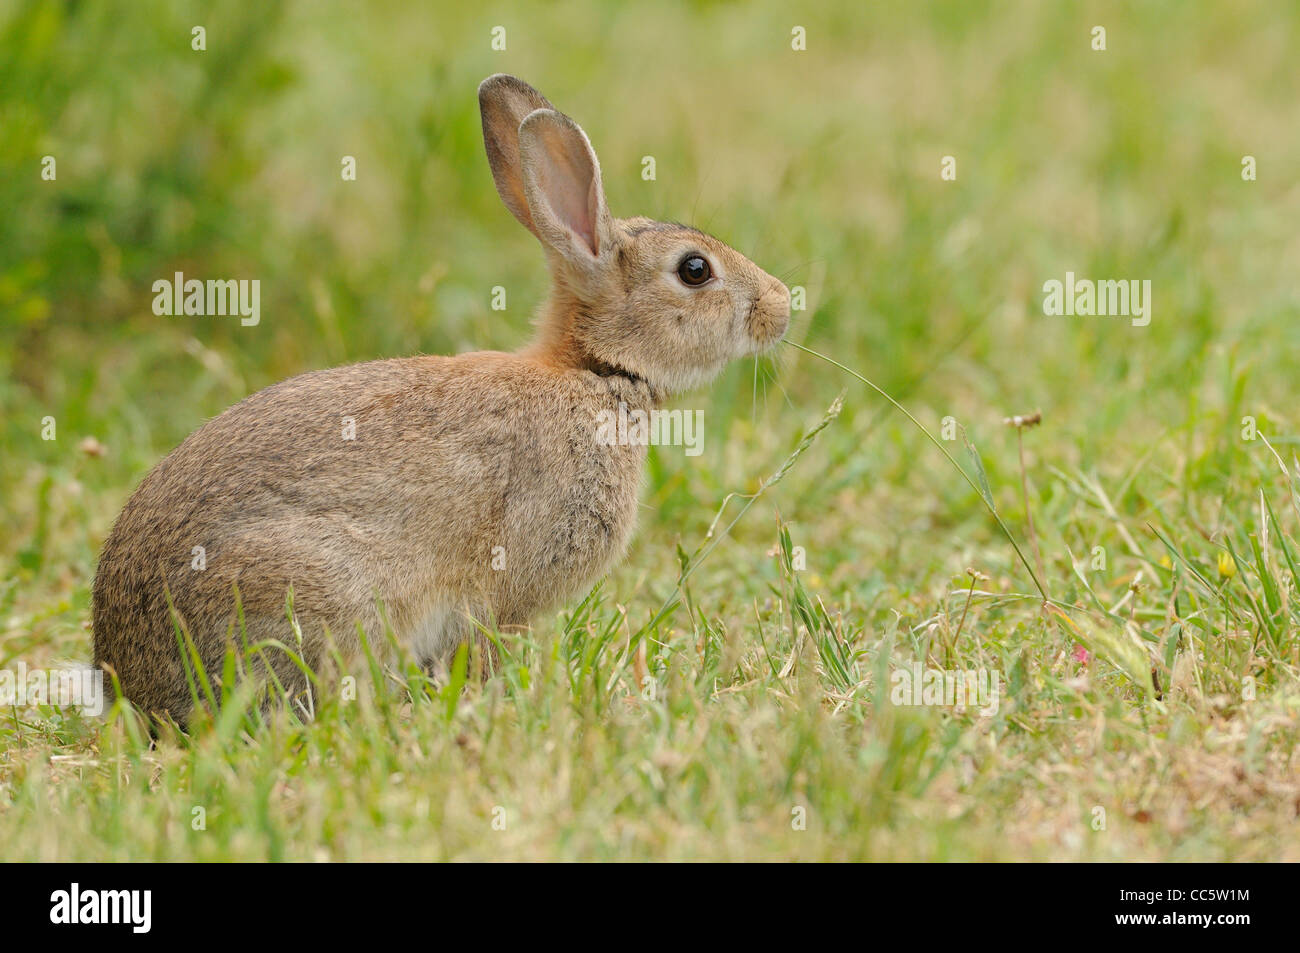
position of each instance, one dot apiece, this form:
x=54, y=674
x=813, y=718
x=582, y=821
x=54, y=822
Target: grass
x=725, y=692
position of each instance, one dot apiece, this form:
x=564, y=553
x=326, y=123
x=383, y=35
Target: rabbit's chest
x=569, y=510
x=587, y=515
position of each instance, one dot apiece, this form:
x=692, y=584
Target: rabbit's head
x=659, y=301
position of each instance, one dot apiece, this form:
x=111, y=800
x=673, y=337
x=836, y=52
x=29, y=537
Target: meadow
x=1129, y=566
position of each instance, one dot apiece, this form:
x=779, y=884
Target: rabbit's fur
x=475, y=487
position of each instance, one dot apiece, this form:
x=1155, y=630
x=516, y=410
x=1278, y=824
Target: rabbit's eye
x=694, y=270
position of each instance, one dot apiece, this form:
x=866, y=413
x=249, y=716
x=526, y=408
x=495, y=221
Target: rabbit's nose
x=770, y=315
x=781, y=297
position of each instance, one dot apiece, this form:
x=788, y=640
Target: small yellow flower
x=1227, y=566
x=1166, y=562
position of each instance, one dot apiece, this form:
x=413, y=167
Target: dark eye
x=694, y=270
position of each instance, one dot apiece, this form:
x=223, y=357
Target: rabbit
x=472, y=490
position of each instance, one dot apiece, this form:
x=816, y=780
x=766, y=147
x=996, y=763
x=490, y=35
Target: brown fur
x=456, y=460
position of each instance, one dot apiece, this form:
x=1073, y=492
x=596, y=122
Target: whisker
x=791, y=270
x=772, y=379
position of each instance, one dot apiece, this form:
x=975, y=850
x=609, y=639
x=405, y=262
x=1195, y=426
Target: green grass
x=662, y=718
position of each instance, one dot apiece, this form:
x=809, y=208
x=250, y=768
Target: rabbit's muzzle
x=769, y=315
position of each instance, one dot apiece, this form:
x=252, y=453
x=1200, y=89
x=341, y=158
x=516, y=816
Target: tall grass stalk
x=982, y=494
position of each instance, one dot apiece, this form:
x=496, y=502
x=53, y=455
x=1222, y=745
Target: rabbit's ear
x=503, y=102
x=562, y=183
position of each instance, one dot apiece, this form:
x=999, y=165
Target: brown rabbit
x=471, y=487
